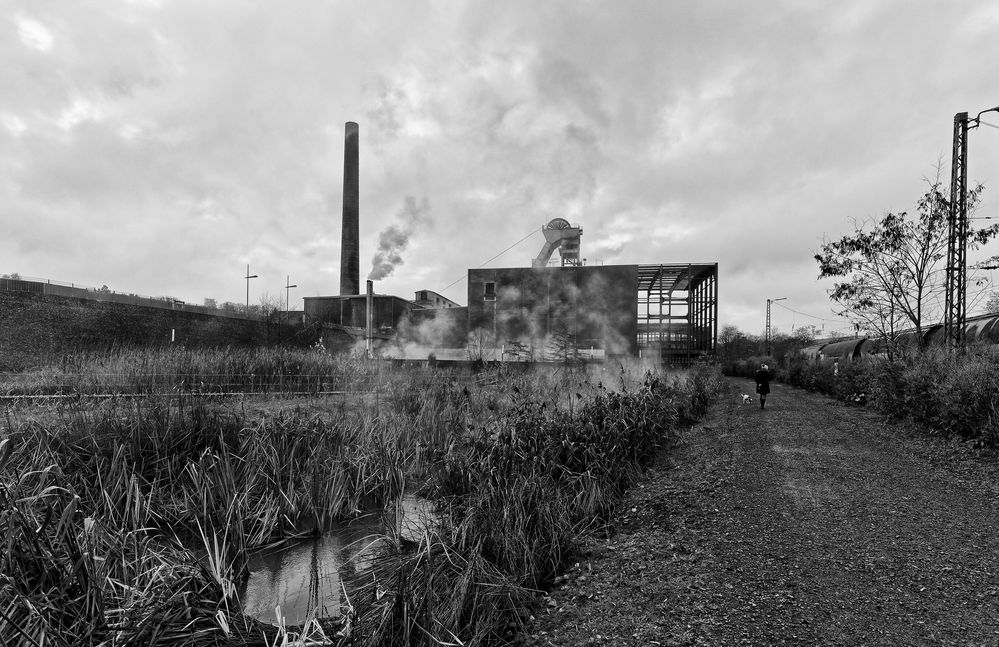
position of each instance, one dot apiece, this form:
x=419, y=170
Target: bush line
x=950, y=394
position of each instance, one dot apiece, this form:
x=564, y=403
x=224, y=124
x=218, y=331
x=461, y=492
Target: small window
x=422, y=296
x=489, y=293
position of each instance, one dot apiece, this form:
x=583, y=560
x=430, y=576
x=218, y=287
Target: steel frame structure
x=678, y=311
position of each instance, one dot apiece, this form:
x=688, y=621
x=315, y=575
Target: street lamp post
x=248, y=277
x=287, y=289
x=955, y=300
x=769, y=301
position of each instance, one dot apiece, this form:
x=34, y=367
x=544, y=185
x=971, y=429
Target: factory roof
x=673, y=276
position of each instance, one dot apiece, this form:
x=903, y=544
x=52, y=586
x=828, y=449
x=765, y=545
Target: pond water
x=307, y=577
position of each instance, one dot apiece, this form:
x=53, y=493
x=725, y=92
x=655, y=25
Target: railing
x=69, y=385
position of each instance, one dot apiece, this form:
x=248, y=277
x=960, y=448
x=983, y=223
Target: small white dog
x=747, y=399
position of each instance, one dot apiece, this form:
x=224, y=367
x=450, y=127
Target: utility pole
x=248, y=277
x=957, y=233
x=369, y=318
x=287, y=289
x=769, y=301
x=956, y=287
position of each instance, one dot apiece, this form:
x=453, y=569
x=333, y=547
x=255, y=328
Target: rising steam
x=392, y=242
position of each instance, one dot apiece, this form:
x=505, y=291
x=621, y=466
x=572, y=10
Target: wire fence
x=68, y=385
x=59, y=385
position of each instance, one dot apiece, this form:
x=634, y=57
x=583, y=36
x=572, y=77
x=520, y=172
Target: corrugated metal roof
x=850, y=348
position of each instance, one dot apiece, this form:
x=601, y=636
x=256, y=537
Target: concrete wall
x=596, y=306
x=37, y=328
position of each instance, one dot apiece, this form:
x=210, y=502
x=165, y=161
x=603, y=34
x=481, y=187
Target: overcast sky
x=160, y=146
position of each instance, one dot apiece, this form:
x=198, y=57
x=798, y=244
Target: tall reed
x=219, y=370
x=514, y=498
x=198, y=471
x=143, y=512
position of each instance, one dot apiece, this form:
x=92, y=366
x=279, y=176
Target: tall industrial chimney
x=350, y=253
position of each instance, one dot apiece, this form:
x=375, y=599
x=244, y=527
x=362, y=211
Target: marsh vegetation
x=131, y=521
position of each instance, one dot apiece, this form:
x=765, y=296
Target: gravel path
x=808, y=523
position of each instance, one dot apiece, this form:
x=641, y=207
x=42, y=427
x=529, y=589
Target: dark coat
x=762, y=382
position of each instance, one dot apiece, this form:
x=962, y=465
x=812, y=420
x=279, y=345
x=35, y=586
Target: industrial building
x=590, y=309
x=549, y=311
x=430, y=299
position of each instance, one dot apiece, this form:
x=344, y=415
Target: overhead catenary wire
x=489, y=260
x=836, y=334
x=987, y=288
x=805, y=314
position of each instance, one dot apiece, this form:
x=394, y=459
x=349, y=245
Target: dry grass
x=224, y=370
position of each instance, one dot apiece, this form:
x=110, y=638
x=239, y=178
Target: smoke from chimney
x=350, y=252
x=394, y=239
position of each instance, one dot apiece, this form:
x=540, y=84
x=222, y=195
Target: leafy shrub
x=852, y=379
x=954, y=394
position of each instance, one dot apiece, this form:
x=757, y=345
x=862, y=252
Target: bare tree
x=270, y=306
x=270, y=302
x=893, y=268
x=562, y=345
x=517, y=350
x=734, y=344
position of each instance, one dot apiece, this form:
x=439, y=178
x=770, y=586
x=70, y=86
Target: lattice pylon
x=957, y=237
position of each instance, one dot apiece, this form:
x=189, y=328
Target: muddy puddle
x=309, y=578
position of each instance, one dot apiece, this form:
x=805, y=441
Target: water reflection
x=308, y=578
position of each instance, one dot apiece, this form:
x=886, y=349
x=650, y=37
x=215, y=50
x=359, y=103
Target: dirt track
x=808, y=523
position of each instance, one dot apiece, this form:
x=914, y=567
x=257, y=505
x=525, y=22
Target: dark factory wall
x=436, y=328
x=595, y=305
x=350, y=311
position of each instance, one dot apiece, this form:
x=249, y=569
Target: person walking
x=763, y=384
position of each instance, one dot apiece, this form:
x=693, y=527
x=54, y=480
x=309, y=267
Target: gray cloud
x=203, y=136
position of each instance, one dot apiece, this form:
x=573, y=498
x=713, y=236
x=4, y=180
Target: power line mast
x=957, y=235
x=956, y=288
x=767, y=346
